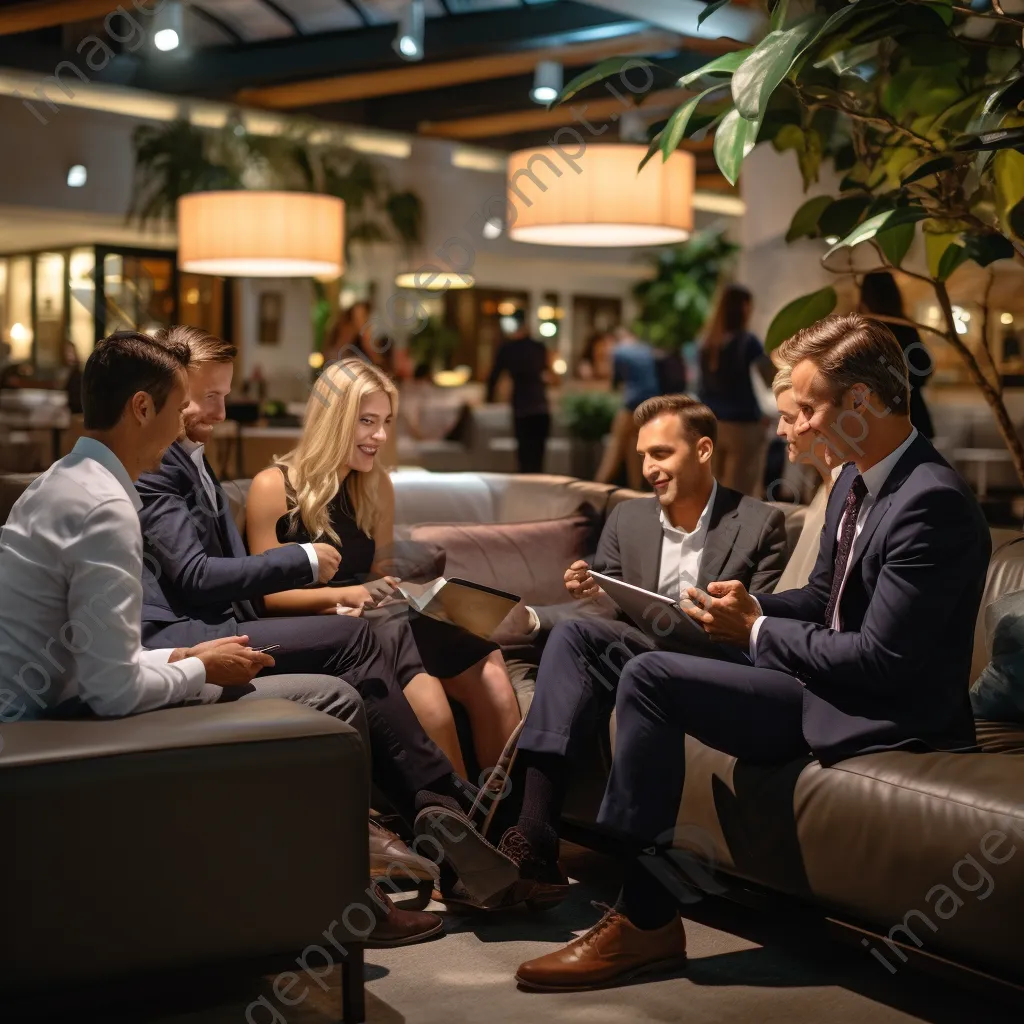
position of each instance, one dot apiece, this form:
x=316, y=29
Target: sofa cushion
x=528, y=559
x=998, y=693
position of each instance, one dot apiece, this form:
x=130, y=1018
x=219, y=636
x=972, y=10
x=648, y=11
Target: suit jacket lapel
x=648, y=540
x=721, y=536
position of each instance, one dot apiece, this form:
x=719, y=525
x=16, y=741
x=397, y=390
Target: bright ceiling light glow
x=609, y=205
x=560, y=366
x=77, y=175
x=430, y=279
x=1006, y=319
x=493, y=228
x=166, y=39
x=548, y=329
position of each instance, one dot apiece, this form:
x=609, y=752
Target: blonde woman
x=332, y=489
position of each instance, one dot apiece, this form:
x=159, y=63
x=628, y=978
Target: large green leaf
x=709, y=10
x=778, y=18
x=734, y=139
x=873, y=225
x=598, y=73
x=1008, y=171
x=842, y=216
x=675, y=130
x=724, y=65
x=799, y=313
x=986, y=249
x=951, y=259
x=805, y=220
x=929, y=167
x=760, y=74
x=895, y=242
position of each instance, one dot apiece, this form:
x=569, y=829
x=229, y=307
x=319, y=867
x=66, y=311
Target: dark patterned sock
x=546, y=780
x=450, y=791
x=644, y=900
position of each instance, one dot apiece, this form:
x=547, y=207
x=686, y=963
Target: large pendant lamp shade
x=261, y=234
x=607, y=203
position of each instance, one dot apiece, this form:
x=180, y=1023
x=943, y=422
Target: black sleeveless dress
x=412, y=643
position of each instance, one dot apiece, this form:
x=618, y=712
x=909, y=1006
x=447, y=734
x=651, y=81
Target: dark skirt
x=414, y=643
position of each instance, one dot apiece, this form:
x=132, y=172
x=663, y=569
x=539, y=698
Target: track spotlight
x=547, y=82
x=408, y=42
x=169, y=26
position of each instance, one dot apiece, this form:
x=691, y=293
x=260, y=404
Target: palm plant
x=918, y=104
x=174, y=159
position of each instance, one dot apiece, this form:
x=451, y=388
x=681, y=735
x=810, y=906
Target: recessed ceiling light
x=77, y=175
x=493, y=228
x=168, y=26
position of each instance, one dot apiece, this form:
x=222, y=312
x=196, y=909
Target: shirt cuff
x=314, y=562
x=754, y=630
x=534, y=622
x=194, y=672
x=158, y=656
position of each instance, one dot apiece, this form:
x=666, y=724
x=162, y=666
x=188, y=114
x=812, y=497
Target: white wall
x=37, y=207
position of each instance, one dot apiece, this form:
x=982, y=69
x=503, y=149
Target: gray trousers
x=329, y=694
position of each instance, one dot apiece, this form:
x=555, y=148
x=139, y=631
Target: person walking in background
x=526, y=361
x=634, y=366
x=728, y=355
x=880, y=294
x=596, y=362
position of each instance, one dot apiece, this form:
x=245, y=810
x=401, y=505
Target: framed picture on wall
x=268, y=331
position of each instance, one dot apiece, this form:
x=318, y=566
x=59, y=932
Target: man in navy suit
x=199, y=582
x=847, y=665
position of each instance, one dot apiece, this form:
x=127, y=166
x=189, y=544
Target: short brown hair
x=854, y=349
x=203, y=346
x=123, y=365
x=697, y=419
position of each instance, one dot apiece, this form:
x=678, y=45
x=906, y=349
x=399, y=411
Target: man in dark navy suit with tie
x=847, y=665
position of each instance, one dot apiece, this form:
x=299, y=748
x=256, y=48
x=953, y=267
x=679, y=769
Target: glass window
x=50, y=322
x=82, y=290
x=19, y=308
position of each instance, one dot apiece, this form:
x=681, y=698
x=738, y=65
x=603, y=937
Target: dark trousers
x=404, y=759
x=576, y=683
x=754, y=714
x=532, y=440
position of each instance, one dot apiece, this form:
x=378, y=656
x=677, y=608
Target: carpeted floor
x=745, y=966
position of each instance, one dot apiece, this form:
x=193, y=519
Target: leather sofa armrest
x=178, y=839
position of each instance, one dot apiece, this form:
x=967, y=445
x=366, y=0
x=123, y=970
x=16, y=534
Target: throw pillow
x=998, y=693
x=528, y=559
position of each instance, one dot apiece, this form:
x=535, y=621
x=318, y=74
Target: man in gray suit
x=691, y=533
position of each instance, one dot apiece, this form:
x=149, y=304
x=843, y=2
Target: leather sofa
x=914, y=854
x=917, y=855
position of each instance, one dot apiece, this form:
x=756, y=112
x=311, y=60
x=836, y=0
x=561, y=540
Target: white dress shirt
x=197, y=453
x=71, y=604
x=681, y=552
x=874, y=481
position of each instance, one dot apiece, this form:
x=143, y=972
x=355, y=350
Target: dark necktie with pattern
x=848, y=531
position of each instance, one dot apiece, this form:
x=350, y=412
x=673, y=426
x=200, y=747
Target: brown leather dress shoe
x=390, y=857
x=397, y=927
x=613, y=952
x=542, y=883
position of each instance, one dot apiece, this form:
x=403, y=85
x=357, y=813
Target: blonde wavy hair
x=317, y=466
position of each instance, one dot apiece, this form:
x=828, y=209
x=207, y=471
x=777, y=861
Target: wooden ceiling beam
x=27, y=17
x=539, y=118
x=413, y=78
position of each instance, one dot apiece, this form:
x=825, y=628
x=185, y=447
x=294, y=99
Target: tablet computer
x=664, y=621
